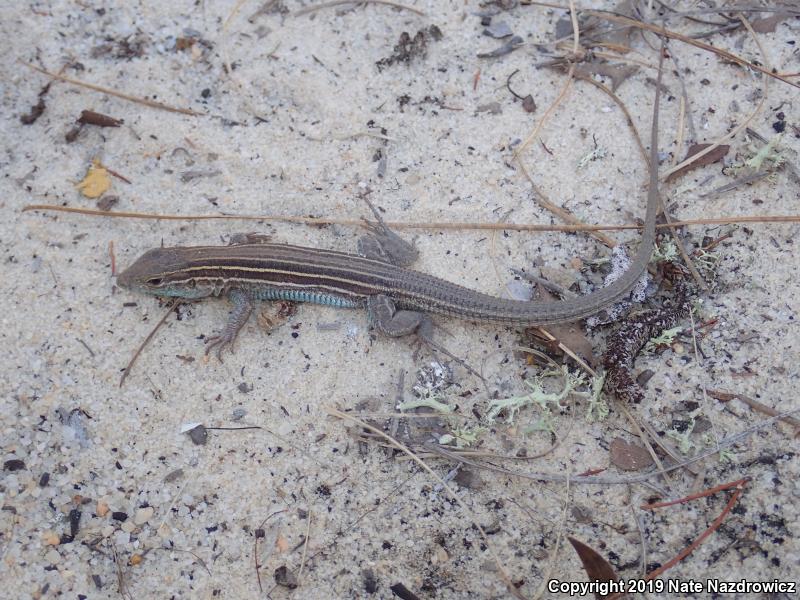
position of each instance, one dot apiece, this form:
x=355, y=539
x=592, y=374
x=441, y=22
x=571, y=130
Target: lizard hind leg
x=397, y=323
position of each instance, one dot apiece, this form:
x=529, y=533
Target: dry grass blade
x=173, y=306
x=333, y=3
x=638, y=139
x=688, y=40
x=646, y=442
x=754, y=404
x=717, y=154
x=699, y=540
x=305, y=546
x=110, y=92
x=710, y=491
x=548, y=204
x=444, y=225
x=735, y=131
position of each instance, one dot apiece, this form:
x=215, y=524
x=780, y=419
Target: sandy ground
x=103, y=494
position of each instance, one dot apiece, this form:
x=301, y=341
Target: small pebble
x=498, y=30
x=13, y=464
x=199, y=435
x=127, y=527
x=122, y=538
x=143, y=515
x=102, y=508
x=51, y=538
x=173, y=476
x=439, y=556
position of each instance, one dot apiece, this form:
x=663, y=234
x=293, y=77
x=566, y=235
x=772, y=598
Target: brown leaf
x=528, y=104
x=37, y=109
x=285, y=577
x=629, y=457
x=107, y=202
x=597, y=568
x=716, y=155
x=768, y=24
x=569, y=335
x=618, y=74
x=90, y=117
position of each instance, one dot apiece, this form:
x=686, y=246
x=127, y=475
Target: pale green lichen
x=543, y=423
x=768, y=158
x=462, y=437
x=431, y=402
x=595, y=154
x=537, y=395
x=767, y=153
x=666, y=338
x=597, y=408
x=726, y=455
x=706, y=263
x=685, y=445
x=549, y=402
x=667, y=251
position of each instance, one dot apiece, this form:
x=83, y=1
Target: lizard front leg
x=384, y=244
x=242, y=307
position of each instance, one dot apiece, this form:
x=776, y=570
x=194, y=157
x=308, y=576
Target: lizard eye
x=154, y=281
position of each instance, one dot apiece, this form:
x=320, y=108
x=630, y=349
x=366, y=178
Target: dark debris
x=37, y=109
x=408, y=48
x=507, y=48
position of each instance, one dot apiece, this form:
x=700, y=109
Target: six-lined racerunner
x=398, y=299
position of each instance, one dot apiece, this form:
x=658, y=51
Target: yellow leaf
x=96, y=182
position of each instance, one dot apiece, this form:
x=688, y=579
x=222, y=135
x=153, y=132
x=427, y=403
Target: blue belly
x=306, y=296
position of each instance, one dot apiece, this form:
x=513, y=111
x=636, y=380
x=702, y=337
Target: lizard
x=398, y=299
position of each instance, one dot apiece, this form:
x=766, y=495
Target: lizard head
x=163, y=272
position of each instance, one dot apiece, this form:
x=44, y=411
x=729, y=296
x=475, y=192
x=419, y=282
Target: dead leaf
x=716, y=155
x=97, y=181
x=768, y=24
x=107, y=202
x=493, y=108
x=285, y=577
x=274, y=316
x=90, y=117
x=528, y=104
x=569, y=335
x=597, y=568
x=507, y=48
x=498, y=30
x=37, y=109
x=629, y=457
x=618, y=74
